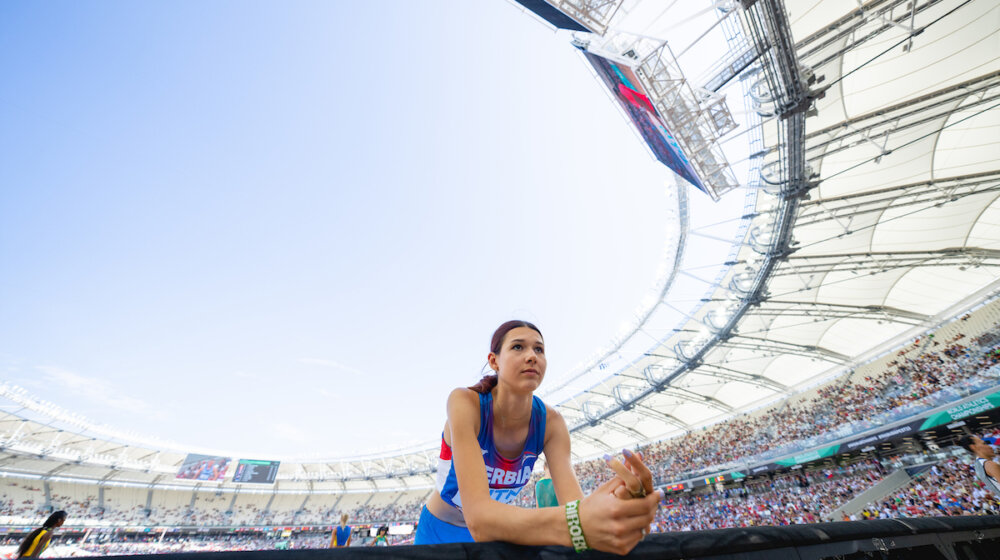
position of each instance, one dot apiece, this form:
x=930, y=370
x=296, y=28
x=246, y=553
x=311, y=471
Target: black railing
x=923, y=538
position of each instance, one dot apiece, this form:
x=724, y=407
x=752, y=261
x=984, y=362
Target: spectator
x=38, y=540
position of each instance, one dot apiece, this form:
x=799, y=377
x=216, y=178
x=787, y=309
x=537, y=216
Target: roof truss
x=878, y=262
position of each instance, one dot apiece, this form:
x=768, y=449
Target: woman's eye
x=516, y=347
x=540, y=350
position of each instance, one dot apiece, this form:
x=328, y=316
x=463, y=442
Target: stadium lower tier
x=27, y=502
x=952, y=538
x=945, y=488
x=938, y=385
x=918, y=485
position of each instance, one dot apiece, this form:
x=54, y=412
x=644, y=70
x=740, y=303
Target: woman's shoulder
x=551, y=413
x=554, y=422
x=463, y=402
x=463, y=394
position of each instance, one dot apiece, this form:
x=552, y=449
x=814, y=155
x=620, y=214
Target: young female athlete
x=494, y=433
x=38, y=540
x=341, y=536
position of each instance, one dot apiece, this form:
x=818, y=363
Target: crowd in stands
x=948, y=488
x=408, y=510
x=18, y=499
x=927, y=373
x=24, y=503
x=151, y=543
x=791, y=498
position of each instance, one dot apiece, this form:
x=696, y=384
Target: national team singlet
x=506, y=476
x=990, y=482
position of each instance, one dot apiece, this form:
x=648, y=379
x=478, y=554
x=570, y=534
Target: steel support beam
x=879, y=262
x=755, y=343
x=623, y=429
x=592, y=439
x=924, y=193
x=826, y=45
x=786, y=95
x=818, y=310
x=698, y=398
x=880, y=124
x=658, y=415
x=728, y=374
x=733, y=64
x=595, y=15
x=59, y=468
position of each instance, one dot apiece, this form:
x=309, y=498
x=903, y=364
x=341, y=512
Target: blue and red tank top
x=506, y=476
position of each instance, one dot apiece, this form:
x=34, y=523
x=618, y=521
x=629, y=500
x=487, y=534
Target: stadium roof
x=873, y=134
x=876, y=217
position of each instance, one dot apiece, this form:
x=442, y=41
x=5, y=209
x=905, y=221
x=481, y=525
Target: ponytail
x=486, y=384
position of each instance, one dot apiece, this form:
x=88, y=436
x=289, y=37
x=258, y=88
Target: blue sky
x=292, y=227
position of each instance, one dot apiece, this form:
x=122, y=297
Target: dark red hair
x=488, y=382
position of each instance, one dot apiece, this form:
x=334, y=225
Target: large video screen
x=260, y=472
x=630, y=94
x=203, y=467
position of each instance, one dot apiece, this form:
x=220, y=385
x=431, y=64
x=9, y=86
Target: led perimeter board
x=626, y=88
x=203, y=467
x=256, y=472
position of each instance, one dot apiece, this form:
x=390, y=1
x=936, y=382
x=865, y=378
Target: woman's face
x=980, y=446
x=521, y=361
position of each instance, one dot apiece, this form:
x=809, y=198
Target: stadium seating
x=959, y=359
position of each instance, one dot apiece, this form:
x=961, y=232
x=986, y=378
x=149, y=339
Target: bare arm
x=610, y=524
x=992, y=469
x=557, y=456
x=489, y=520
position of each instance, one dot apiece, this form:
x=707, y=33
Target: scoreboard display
x=203, y=467
x=624, y=84
x=259, y=472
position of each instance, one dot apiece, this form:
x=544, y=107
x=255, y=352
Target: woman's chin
x=531, y=385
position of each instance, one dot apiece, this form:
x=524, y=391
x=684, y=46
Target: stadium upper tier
x=871, y=178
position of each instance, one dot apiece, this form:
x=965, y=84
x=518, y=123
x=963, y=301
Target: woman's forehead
x=524, y=334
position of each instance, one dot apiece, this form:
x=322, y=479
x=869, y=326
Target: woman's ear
x=491, y=359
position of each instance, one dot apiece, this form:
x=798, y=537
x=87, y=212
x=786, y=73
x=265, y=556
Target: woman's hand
x=614, y=525
x=636, y=476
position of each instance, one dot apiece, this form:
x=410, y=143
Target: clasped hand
x=617, y=515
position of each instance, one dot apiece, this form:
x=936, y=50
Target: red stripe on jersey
x=506, y=464
x=445, y=450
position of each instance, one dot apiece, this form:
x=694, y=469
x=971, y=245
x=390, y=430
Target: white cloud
x=97, y=391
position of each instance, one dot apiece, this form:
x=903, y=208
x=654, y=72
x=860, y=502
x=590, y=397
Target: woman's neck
x=509, y=408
